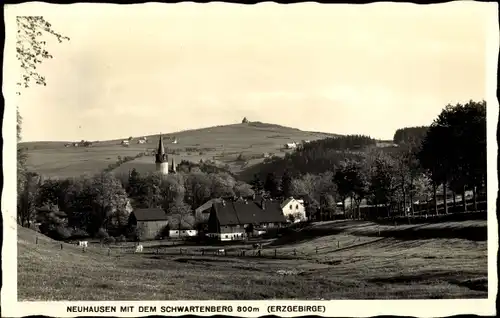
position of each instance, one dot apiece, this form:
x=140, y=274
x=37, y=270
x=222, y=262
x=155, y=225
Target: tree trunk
x=412, y=207
x=352, y=210
x=464, y=200
x=474, y=196
x=454, y=201
x=434, y=190
x=445, y=195
x=404, y=199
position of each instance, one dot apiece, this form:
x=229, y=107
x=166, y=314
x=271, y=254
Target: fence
x=243, y=252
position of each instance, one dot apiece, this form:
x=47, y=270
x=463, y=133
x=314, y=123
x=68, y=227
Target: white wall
x=227, y=236
x=183, y=233
x=162, y=167
x=295, y=208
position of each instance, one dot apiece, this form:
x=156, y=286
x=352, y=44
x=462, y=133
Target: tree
x=198, y=188
x=180, y=216
x=97, y=202
x=245, y=120
x=272, y=185
x=172, y=189
x=26, y=207
x=242, y=189
x=222, y=185
x=383, y=182
x=257, y=184
x=341, y=179
x=454, y=150
x=286, y=182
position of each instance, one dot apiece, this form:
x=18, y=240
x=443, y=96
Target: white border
x=359, y=308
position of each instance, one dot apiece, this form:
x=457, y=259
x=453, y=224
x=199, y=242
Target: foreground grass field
x=222, y=143
x=351, y=262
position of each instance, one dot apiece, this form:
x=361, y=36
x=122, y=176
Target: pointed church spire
x=173, y=165
x=160, y=154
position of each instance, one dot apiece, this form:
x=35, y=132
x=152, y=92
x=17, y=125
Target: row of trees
x=85, y=204
x=450, y=154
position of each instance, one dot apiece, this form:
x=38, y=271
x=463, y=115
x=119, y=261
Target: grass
x=350, y=263
x=225, y=143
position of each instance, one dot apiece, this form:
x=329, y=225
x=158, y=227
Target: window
x=297, y=207
x=291, y=207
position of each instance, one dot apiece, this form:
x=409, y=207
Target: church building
x=162, y=160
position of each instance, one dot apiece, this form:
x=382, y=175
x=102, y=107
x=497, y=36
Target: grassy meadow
x=222, y=143
x=327, y=260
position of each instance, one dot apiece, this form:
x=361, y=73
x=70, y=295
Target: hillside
x=222, y=144
x=330, y=260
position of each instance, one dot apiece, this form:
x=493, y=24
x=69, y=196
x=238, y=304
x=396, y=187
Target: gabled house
x=150, y=223
x=202, y=213
x=236, y=220
x=294, y=210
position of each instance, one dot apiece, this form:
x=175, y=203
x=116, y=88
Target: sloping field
x=222, y=143
x=345, y=265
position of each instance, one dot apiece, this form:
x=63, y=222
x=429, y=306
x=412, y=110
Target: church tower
x=173, y=166
x=161, y=158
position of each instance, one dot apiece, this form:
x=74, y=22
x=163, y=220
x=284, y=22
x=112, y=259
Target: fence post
x=274, y=253
x=338, y=244
x=109, y=251
x=316, y=250
x=61, y=246
x=36, y=242
x=202, y=251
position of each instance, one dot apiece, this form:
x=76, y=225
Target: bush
x=109, y=240
x=79, y=233
x=60, y=233
x=101, y=233
x=121, y=238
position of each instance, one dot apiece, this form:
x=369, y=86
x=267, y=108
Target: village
x=192, y=158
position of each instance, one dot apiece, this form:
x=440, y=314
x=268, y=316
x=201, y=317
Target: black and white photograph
x=270, y=152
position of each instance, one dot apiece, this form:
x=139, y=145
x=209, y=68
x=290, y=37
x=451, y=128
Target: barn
x=236, y=220
x=150, y=223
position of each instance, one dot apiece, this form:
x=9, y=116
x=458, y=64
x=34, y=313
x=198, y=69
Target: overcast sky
x=144, y=69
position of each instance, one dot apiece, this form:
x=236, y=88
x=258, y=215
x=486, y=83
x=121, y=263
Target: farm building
x=150, y=223
x=292, y=145
x=179, y=227
x=294, y=210
x=202, y=213
x=235, y=220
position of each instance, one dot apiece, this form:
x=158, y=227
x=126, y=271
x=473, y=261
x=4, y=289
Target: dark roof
x=153, y=214
x=206, y=206
x=241, y=212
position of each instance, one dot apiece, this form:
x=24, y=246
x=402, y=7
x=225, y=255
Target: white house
x=182, y=233
x=294, y=210
x=291, y=146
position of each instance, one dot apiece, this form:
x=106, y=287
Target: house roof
x=206, y=206
x=241, y=212
x=290, y=199
x=152, y=214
